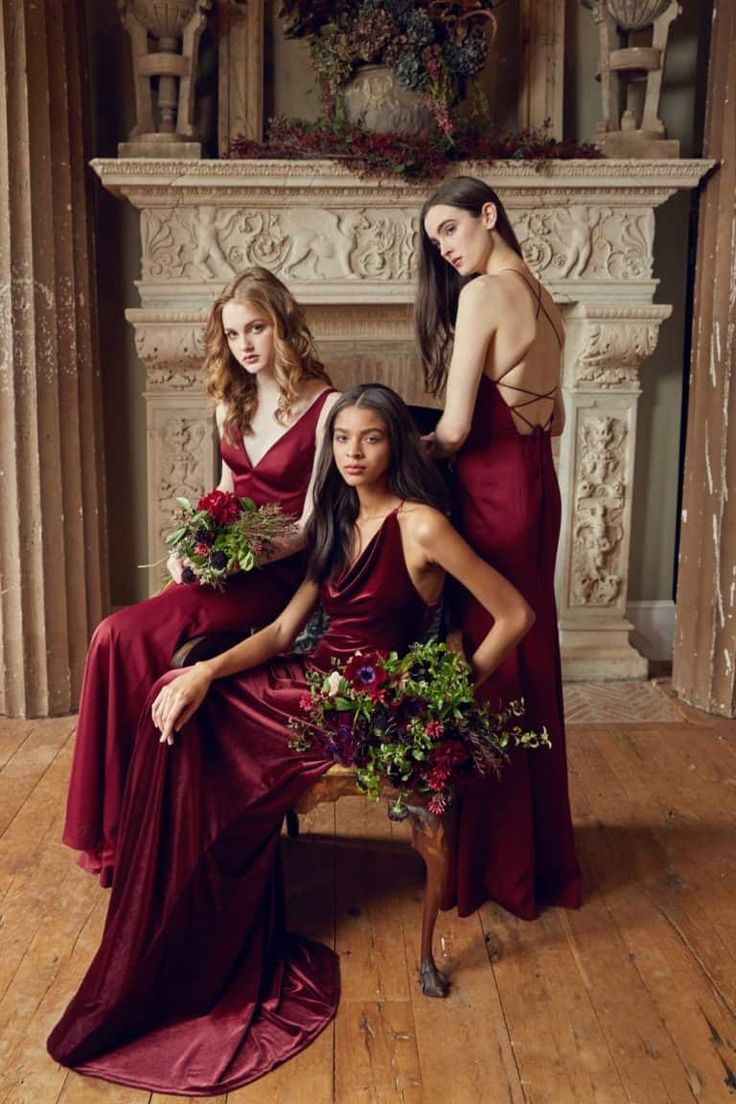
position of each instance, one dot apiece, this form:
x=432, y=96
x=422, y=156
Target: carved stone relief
x=181, y=450
x=214, y=243
x=158, y=345
x=181, y=442
x=598, y=575
x=595, y=242
x=209, y=242
x=611, y=353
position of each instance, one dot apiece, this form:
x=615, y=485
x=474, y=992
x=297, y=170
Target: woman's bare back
x=524, y=355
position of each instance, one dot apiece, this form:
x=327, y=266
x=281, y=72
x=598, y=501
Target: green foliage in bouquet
x=409, y=724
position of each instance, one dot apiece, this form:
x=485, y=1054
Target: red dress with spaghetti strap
x=131, y=648
x=515, y=841
x=196, y=987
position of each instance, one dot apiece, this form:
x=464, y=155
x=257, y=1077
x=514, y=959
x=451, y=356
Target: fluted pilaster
x=53, y=584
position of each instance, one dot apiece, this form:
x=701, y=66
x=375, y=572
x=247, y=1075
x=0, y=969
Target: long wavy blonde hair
x=296, y=354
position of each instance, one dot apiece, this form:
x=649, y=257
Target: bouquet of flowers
x=223, y=533
x=409, y=724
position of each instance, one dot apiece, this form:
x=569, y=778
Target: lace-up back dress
x=515, y=841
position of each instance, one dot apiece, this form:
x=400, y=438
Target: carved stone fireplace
x=346, y=247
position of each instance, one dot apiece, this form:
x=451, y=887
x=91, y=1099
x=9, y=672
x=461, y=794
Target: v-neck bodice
x=282, y=473
x=373, y=603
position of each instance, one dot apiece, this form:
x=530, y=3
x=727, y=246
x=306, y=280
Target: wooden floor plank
x=376, y=1055
x=304, y=1079
x=672, y=979
x=92, y=1090
x=540, y=980
x=377, y=1060
x=12, y=735
x=475, y=1061
x=691, y=874
x=369, y=879
x=26, y=766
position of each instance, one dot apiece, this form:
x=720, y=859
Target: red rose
x=222, y=506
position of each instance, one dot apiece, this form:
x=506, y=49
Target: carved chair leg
x=430, y=837
x=292, y=824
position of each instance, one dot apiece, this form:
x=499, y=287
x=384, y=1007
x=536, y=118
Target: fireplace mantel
x=346, y=246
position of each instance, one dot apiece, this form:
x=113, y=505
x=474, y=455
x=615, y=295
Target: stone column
x=605, y=348
x=53, y=577
x=704, y=667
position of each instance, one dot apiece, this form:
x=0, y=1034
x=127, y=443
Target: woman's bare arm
x=177, y=702
x=475, y=327
x=442, y=546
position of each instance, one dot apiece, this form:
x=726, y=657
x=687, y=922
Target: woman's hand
x=179, y=700
x=174, y=566
x=429, y=442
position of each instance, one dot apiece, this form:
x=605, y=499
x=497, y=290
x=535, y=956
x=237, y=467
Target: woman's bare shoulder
x=481, y=289
x=424, y=523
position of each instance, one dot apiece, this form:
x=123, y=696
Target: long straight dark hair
x=411, y=476
x=439, y=284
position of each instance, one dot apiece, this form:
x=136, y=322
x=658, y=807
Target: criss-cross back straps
x=535, y=396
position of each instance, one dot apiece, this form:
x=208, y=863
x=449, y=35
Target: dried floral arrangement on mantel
x=414, y=157
x=398, y=91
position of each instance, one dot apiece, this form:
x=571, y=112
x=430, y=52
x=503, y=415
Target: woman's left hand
x=179, y=700
x=429, y=442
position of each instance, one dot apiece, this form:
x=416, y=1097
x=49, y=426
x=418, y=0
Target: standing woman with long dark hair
x=491, y=337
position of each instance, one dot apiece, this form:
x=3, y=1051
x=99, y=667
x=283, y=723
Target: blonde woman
x=272, y=397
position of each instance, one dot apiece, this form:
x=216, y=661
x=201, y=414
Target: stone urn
x=166, y=128
x=635, y=15
x=376, y=99
x=631, y=76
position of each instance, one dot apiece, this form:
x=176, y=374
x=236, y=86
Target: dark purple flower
x=397, y=812
x=188, y=576
x=218, y=560
x=405, y=710
x=203, y=536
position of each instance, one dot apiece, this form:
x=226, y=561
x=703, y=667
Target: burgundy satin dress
x=131, y=648
x=196, y=987
x=515, y=840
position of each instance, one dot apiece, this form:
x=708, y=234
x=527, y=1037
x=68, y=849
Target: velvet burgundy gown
x=515, y=840
x=132, y=648
x=196, y=988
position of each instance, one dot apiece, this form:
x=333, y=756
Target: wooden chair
x=430, y=834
